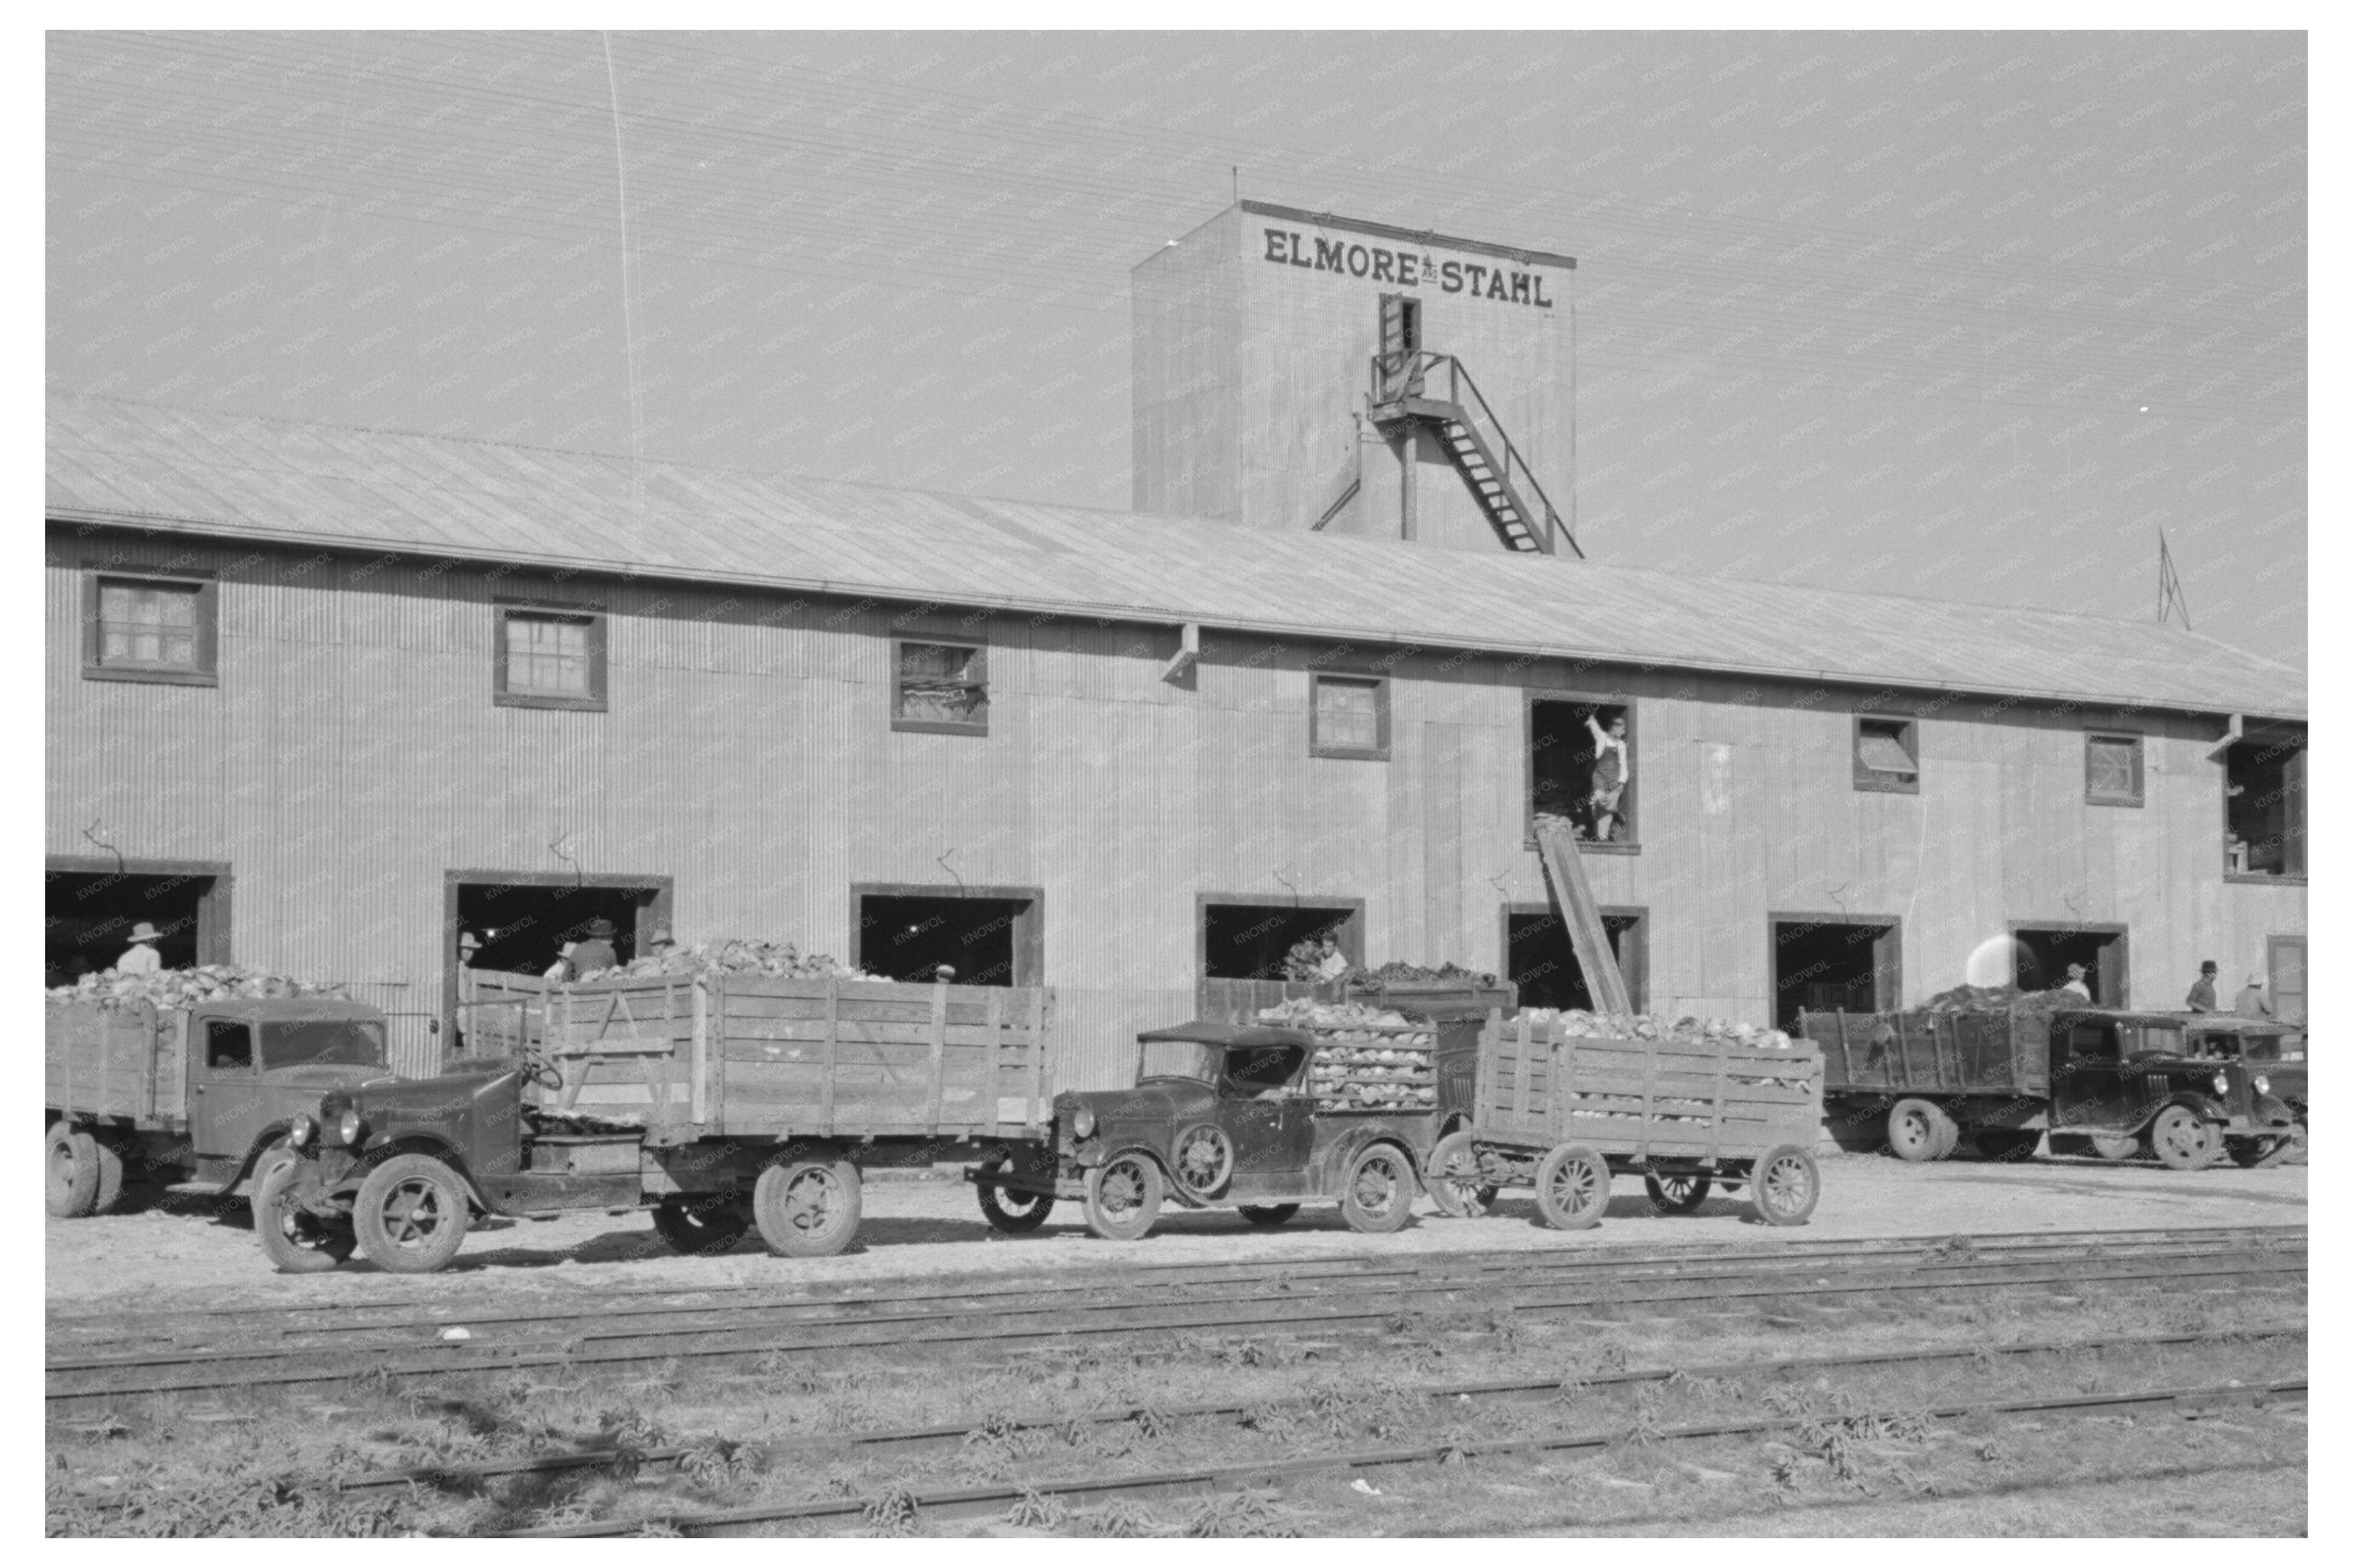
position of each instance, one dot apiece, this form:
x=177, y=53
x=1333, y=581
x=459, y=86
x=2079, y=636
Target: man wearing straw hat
x=140, y=957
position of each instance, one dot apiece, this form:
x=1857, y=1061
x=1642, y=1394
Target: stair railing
x=1403, y=373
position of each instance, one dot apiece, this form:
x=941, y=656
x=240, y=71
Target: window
x=939, y=688
x=1349, y=717
x=228, y=1047
x=549, y=658
x=2112, y=769
x=151, y=629
x=2262, y=799
x=1581, y=768
x=1887, y=754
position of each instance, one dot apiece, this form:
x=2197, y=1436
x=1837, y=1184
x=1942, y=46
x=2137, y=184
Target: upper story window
x=2262, y=801
x=151, y=629
x=1581, y=768
x=940, y=688
x=549, y=658
x=1887, y=754
x=1348, y=717
x=2112, y=769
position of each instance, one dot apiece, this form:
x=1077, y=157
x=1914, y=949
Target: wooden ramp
x=1586, y=934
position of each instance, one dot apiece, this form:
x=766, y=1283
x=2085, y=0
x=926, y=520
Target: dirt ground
x=188, y=1253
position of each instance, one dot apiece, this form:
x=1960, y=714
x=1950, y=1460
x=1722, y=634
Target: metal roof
x=249, y=477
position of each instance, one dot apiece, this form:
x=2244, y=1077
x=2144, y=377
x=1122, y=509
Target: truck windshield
x=322, y=1042
x=1180, y=1058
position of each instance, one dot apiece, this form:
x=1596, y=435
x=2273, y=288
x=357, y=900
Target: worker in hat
x=2251, y=1004
x=140, y=957
x=469, y=944
x=2076, y=974
x=564, y=968
x=596, y=951
x=2201, y=996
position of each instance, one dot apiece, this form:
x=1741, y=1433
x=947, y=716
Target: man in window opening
x=596, y=953
x=140, y=957
x=2251, y=999
x=2201, y=996
x=1611, y=774
x=2076, y=974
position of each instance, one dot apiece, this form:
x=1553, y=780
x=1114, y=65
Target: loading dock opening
x=1541, y=960
x=523, y=918
x=1241, y=941
x=92, y=904
x=1827, y=963
x=2041, y=955
x=1572, y=774
x=990, y=936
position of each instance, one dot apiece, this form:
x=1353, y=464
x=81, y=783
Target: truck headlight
x=348, y=1129
x=304, y=1127
x=2222, y=1083
x=1082, y=1124
x=2263, y=1085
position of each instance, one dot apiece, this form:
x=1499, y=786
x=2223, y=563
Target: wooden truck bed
x=117, y=1064
x=1703, y=1099
x=1974, y=1052
x=766, y=1056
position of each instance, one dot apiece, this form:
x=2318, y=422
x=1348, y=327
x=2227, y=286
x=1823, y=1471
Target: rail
x=1403, y=373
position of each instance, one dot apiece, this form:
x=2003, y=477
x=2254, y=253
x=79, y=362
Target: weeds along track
x=1283, y=1302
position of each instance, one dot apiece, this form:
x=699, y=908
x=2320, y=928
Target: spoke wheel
x=1268, y=1214
x=1123, y=1198
x=295, y=1241
x=1572, y=1188
x=705, y=1224
x=2183, y=1140
x=809, y=1208
x=1010, y=1212
x=1204, y=1159
x=1378, y=1195
x=1677, y=1192
x=1785, y=1185
x=1457, y=1183
x=411, y=1214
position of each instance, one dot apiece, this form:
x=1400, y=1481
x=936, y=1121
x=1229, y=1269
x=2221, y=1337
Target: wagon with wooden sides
x=726, y=1103
x=1564, y=1112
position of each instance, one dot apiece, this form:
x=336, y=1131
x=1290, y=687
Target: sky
x=1971, y=317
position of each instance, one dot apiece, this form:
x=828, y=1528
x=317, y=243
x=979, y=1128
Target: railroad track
x=1288, y=1302
x=994, y=1498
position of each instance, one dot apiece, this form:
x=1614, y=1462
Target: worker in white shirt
x=2076, y=974
x=1611, y=769
x=140, y=957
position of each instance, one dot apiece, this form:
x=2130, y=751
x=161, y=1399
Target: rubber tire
x=1405, y=1186
x=1458, y=1199
x=2113, y=1149
x=1268, y=1214
x=1586, y=1198
x=1132, y=1224
x=295, y=1242
x=1015, y=1214
x=2009, y=1145
x=71, y=1171
x=780, y=1230
x=2179, y=1147
x=2291, y=1148
x=1666, y=1204
x=448, y=1232
x=705, y=1224
x=1785, y=1185
x=1915, y=1132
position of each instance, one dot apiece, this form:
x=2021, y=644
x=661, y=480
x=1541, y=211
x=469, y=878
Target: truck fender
x=1170, y=1188
x=2278, y=1112
x=241, y=1185
x=434, y=1147
x=1344, y=1152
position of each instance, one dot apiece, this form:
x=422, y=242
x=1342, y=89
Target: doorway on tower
x=989, y=936
x=2041, y=955
x=1826, y=964
x=1542, y=962
x=91, y=906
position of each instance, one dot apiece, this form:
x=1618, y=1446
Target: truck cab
x=254, y=1065
x=2144, y=1076
x=1221, y=1116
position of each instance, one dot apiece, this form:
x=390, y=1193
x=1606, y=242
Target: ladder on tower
x=1586, y=934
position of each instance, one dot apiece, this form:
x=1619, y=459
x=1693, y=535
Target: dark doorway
x=522, y=924
x=1542, y=962
x=1831, y=964
x=2042, y=954
x=2263, y=805
x=1250, y=942
x=989, y=936
x=91, y=912
x=1573, y=774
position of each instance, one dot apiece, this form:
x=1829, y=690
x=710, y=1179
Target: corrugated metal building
x=324, y=695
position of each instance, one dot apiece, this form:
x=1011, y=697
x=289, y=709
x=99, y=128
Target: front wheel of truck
x=411, y=1214
x=809, y=1208
x=1124, y=1196
x=2183, y=1140
x=295, y=1241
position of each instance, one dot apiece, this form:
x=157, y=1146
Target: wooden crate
x=1975, y=1051
x=1538, y=1088
x=767, y=1055
x=123, y=1064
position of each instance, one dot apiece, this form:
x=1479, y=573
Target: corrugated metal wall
x=352, y=756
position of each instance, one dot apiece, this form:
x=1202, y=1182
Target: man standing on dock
x=2201, y=996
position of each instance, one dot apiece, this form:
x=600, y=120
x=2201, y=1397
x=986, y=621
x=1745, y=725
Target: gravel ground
x=186, y=1254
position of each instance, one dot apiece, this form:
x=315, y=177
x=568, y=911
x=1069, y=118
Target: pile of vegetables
x=1396, y=973
x=733, y=955
x=1367, y=1058
x=1971, y=998
x=187, y=987
x=1574, y=1021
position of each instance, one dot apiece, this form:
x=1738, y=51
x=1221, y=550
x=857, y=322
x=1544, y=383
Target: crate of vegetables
x=1365, y=1058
